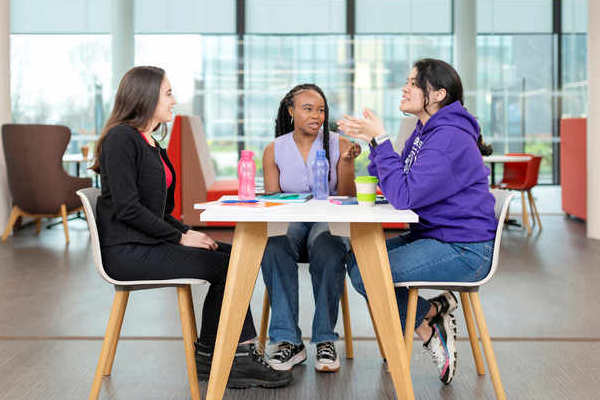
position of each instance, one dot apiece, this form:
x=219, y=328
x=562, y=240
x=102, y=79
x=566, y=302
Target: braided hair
x=284, y=123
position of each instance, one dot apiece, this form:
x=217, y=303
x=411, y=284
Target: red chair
x=196, y=177
x=522, y=176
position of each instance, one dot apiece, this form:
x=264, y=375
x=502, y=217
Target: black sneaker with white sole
x=249, y=368
x=445, y=303
x=287, y=355
x=327, y=359
x=442, y=346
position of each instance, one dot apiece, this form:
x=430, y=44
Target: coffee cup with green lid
x=366, y=190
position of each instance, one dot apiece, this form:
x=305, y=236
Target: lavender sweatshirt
x=441, y=176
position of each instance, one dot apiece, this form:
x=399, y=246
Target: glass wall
x=203, y=74
x=61, y=67
x=62, y=79
x=574, y=58
x=274, y=64
x=516, y=79
x=382, y=65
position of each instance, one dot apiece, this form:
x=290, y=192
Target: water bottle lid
x=321, y=153
x=247, y=154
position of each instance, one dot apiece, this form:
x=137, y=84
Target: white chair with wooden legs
x=264, y=322
x=469, y=296
x=122, y=289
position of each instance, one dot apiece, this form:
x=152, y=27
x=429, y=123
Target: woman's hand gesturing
x=198, y=239
x=362, y=128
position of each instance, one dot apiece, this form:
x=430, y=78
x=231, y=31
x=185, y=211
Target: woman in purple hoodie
x=441, y=176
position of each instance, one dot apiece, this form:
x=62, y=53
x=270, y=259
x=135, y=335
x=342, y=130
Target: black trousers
x=130, y=262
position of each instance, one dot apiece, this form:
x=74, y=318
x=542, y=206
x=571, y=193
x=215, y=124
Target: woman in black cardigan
x=139, y=238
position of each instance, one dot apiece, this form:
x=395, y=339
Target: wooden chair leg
x=487, y=346
x=376, y=333
x=409, y=326
x=183, y=296
x=111, y=335
x=264, y=321
x=38, y=225
x=347, y=325
x=107, y=369
x=191, y=305
x=14, y=215
x=534, y=210
x=473, y=338
x=531, y=213
x=63, y=214
x=525, y=214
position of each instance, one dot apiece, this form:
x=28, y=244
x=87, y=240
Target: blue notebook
x=286, y=197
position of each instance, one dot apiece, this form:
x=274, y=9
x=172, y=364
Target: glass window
x=290, y=16
x=185, y=16
x=382, y=64
x=516, y=110
x=574, y=58
x=62, y=79
x=275, y=64
x=574, y=16
x=203, y=74
x=514, y=16
x=403, y=16
x=46, y=17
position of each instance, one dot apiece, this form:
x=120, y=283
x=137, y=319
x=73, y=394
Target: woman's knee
x=279, y=246
x=354, y=274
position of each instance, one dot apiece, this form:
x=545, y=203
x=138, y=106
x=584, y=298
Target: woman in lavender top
x=440, y=175
x=301, y=129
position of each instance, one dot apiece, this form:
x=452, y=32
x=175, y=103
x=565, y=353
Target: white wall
x=593, y=123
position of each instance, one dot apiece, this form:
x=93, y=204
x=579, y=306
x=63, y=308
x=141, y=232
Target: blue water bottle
x=320, y=176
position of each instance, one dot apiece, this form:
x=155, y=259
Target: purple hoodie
x=440, y=176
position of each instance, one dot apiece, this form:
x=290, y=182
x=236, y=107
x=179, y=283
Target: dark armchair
x=39, y=185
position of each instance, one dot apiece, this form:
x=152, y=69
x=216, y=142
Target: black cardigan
x=135, y=205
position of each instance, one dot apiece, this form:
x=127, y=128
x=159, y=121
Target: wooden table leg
x=368, y=243
x=249, y=241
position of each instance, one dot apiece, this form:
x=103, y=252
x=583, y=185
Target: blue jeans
x=428, y=260
x=326, y=255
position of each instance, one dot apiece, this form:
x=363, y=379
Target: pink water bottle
x=246, y=172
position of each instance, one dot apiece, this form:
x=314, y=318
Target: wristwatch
x=377, y=140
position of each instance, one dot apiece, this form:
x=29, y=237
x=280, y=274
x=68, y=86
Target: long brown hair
x=135, y=103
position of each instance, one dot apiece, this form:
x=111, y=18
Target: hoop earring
x=292, y=120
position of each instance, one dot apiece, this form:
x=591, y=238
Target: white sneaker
x=442, y=346
x=286, y=356
x=327, y=359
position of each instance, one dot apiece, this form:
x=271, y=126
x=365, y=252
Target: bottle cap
x=246, y=154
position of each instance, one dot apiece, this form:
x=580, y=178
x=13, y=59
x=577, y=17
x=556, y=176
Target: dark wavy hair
x=434, y=74
x=284, y=123
x=135, y=103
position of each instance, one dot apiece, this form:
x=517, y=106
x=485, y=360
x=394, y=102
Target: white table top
x=311, y=211
x=505, y=159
